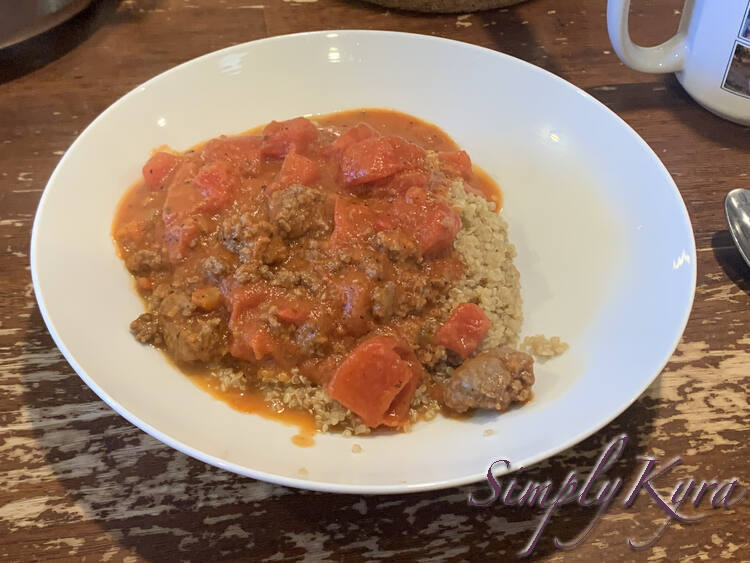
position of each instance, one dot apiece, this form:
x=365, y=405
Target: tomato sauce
x=252, y=402
x=319, y=248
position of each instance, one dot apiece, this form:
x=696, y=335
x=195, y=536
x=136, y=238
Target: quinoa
x=541, y=346
x=230, y=379
x=491, y=279
x=299, y=393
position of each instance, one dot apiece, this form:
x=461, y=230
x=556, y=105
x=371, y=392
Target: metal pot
x=21, y=19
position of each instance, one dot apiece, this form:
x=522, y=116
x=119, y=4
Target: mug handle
x=667, y=57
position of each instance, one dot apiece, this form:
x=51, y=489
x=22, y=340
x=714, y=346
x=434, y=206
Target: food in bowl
x=353, y=266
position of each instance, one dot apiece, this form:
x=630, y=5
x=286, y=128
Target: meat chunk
x=176, y=304
x=253, y=239
x=383, y=297
x=194, y=339
x=492, y=380
x=187, y=335
x=146, y=329
x=298, y=210
x=397, y=244
x=142, y=262
x=214, y=268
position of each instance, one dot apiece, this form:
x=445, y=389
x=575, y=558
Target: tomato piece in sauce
x=402, y=181
x=352, y=222
x=375, y=158
x=370, y=378
x=217, y=182
x=398, y=411
x=296, y=169
x=465, y=328
x=158, y=168
x=353, y=135
x=432, y=221
x=456, y=163
x=249, y=338
x=243, y=152
x=279, y=137
x=294, y=313
x=437, y=229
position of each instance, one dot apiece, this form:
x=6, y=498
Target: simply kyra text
x=598, y=491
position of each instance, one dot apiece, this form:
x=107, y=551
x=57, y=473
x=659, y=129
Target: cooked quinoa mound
x=491, y=279
x=541, y=346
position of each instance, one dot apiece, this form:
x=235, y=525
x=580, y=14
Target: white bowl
x=605, y=249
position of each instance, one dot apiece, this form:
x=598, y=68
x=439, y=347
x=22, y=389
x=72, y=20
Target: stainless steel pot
x=21, y=19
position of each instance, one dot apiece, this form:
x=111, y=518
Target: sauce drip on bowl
x=252, y=402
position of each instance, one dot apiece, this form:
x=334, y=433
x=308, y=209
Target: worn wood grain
x=79, y=482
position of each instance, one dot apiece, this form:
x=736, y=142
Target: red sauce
x=371, y=168
x=252, y=402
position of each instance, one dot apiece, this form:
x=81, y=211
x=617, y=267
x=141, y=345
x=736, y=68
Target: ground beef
x=247, y=273
x=253, y=239
x=146, y=329
x=492, y=380
x=310, y=339
x=299, y=210
x=189, y=336
x=194, y=339
x=414, y=295
x=176, y=304
x=214, y=268
x=383, y=300
x=398, y=245
x=143, y=262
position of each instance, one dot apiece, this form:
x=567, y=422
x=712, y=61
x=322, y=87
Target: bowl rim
x=347, y=488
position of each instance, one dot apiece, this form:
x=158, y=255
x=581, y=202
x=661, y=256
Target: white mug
x=710, y=54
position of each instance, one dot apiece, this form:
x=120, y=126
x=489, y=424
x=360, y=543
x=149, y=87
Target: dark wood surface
x=78, y=481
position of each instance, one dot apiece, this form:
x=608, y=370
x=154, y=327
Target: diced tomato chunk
x=183, y=198
x=243, y=299
x=370, y=378
x=353, y=135
x=296, y=169
x=465, y=328
x=409, y=179
x=440, y=225
x=194, y=190
x=378, y=157
x=157, y=169
x=352, y=222
x=294, y=313
x=252, y=341
x=456, y=163
x=279, y=137
x=430, y=220
x=217, y=183
x=243, y=152
x=250, y=338
x=398, y=412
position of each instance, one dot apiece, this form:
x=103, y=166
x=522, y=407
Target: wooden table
x=77, y=481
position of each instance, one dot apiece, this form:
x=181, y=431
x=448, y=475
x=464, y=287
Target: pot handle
x=667, y=57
